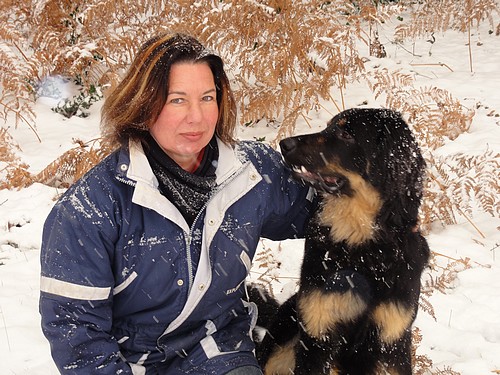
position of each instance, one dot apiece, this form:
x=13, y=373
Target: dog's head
x=360, y=152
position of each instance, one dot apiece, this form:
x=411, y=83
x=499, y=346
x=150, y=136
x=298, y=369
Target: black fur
x=267, y=305
x=364, y=256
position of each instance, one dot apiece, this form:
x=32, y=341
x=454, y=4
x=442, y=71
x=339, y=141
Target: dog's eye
x=344, y=135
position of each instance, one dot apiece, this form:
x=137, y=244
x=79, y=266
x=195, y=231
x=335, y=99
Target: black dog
x=364, y=256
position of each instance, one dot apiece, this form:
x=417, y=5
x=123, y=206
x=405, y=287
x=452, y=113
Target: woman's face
x=187, y=121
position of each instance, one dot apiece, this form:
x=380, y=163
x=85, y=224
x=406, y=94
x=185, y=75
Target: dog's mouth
x=329, y=183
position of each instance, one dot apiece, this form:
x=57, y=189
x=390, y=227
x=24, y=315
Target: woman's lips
x=193, y=136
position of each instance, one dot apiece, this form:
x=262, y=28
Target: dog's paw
x=267, y=305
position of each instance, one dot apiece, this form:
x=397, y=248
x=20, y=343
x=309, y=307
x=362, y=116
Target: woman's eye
x=176, y=100
x=208, y=98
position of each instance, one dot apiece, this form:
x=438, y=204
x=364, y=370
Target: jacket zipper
x=189, y=261
x=188, y=237
x=190, y=234
x=188, y=247
x=126, y=181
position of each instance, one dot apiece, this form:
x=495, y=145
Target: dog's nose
x=288, y=144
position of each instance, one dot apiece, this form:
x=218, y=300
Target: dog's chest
x=376, y=261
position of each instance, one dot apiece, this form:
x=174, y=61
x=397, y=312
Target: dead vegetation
x=285, y=58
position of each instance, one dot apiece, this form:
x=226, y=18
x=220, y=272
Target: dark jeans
x=246, y=370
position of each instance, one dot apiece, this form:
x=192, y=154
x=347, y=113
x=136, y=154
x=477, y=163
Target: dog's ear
x=398, y=169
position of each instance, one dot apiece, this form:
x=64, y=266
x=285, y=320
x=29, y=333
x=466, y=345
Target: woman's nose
x=195, y=113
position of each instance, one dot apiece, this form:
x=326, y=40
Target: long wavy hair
x=132, y=108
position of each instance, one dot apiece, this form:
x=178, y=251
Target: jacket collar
x=139, y=169
x=134, y=169
x=228, y=162
x=134, y=164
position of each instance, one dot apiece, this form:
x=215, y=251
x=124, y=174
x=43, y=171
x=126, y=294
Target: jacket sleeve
x=292, y=203
x=76, y=291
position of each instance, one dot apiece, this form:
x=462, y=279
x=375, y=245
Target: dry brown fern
x=429, y=17
x=267, y=262
x=276, y=73
x=61, y=173
x=13, y=173
x=284, y=55
x=421, y=363
x=436, y=16
x=455, y=185
x=443, y=277
x=7, y=154
x=444, y=371
x=73, y=164
x=434, y=114
x=16, y=177
x=458, y=184
x=426, y=306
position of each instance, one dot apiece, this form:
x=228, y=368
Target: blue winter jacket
x=120, y=291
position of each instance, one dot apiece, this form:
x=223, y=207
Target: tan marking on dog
x=392, y=319
x=320, y=311
x=352, y=219
x=282, y=360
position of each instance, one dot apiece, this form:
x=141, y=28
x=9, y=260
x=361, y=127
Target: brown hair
x=134, y=105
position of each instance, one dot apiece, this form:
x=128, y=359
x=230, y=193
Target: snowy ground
x=465, y=334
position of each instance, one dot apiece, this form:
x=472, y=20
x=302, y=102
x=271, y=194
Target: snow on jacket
x=120, y=293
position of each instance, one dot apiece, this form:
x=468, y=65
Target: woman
x=144, y=259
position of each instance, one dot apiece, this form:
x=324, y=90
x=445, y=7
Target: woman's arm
x=293, y=203
x=76, y=290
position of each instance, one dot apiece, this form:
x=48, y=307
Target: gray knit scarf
x=189, y=192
